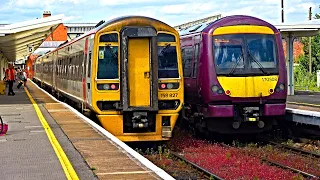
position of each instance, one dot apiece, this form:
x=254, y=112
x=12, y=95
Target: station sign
x=30, y=48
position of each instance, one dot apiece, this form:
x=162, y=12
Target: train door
x=139, y=72
x=88, y=74
x=194, y=79
x=139, y=69
x=187, y=57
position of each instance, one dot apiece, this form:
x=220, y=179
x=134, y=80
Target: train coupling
x=140, y=120
x=255, y=118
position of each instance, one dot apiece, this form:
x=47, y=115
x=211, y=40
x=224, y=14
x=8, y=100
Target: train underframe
x=128, y=126
x=234, y=119
x=140, y=126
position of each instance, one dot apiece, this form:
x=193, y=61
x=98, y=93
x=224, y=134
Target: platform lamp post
x=310, y=59
x=282, y=12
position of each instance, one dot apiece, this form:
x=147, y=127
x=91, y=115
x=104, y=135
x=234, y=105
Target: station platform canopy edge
x=18, y=40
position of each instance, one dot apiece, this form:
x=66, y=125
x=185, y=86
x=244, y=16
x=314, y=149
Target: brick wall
x=59, y=34
x=297, y=50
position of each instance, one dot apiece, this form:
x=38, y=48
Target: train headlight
x=172, y=85
x=106, y=86
x=169, y=85
x=220, y=91
x=281, y=87
x=214, y=88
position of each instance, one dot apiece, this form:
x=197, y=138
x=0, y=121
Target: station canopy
x=300, y=29
x=19, y=40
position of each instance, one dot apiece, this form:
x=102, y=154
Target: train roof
x=194, y=29
x=225, y=21
x=101, y=26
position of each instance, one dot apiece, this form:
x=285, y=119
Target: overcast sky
x=173, y=12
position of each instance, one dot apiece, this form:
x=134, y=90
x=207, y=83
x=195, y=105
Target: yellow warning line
x=64, y=161
x=306, y=104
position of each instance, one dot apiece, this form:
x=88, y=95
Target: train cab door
x=139, y=69
x=187, y=56
x=88, y=72
x=194, y=79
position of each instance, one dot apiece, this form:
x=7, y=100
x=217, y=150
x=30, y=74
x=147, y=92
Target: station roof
x=80, y=24
x=301, y=29
x=15, y=39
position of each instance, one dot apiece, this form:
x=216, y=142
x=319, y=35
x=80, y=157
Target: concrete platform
x=304, y=100
x=28, y=154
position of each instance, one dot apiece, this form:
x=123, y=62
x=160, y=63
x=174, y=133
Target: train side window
x=74, y=67
x=89, y=65
x=65, y=68
x=79, y=60
x=84, y=64
x=187, y=56
x=196, y=60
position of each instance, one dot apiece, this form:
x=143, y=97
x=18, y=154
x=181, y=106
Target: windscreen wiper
x=259, y=64
x=112, y=53
x=235, y=66
x=164, y=49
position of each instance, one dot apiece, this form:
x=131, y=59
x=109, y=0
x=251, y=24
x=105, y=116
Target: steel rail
x=206, y=172
x=274, y=163
x=305, y=174
x=294, y=149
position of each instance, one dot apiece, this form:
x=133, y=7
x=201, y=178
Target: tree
x=315, y=51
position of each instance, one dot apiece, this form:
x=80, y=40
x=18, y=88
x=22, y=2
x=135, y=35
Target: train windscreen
x=168, y=62
x=245, y=54
x=108, y=62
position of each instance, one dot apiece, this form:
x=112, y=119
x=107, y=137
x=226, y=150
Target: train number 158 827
x=166, y=95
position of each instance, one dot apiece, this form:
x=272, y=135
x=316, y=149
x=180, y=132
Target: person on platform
x=25, y=78
x=10, y=74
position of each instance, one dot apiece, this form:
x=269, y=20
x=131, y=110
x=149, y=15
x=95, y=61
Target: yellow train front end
x=137, y=84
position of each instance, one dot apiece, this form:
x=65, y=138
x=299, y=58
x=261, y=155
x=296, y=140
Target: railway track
x=294, y=149
x=274, y=163
x=207, y=173
x=304, y=174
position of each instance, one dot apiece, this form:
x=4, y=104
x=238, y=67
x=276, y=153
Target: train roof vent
x=99, y=23
x=196, y=28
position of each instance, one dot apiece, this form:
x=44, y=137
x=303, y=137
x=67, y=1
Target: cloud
x=187, y=8
x=172, y=12
x=40, y=3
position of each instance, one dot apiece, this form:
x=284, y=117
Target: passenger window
x=187, y=56
x=89, y=65
x=196, y=60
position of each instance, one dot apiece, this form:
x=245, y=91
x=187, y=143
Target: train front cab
x=255, y=83
x=136, y=98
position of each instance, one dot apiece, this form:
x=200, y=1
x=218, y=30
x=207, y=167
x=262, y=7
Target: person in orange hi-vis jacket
x=10, y=74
